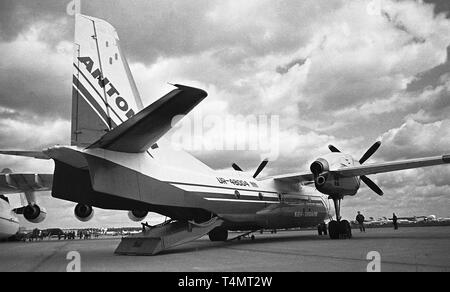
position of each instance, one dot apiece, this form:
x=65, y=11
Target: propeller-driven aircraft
x=119, y=159
x=26, y=185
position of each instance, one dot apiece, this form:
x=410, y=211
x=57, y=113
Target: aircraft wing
x=32, y=154
x=11, y=183
x=369, y=169
x=295, y=178
x=392, y=166
x=141, y=131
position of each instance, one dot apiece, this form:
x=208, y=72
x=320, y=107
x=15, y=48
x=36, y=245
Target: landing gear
x=333, y=229
x=245, y=235
x=322, y=229
x=345, y=229
x=339, y=229
x=218, y=234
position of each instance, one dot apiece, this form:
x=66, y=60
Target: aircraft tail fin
x=104, y=94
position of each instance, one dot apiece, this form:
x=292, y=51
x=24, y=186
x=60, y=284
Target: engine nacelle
x=84, y=213
x=34, y=213
x=137, y=216
x=331, y=184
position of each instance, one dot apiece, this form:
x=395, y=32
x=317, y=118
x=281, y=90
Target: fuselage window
x=4, y=198
x=261, y=197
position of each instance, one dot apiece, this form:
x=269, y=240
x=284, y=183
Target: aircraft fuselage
x=157, y=182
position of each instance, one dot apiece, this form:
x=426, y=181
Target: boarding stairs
x=167, y=235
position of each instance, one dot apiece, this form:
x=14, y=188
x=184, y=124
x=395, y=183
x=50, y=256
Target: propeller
x=261, y=167
x=372, y=185
x=236, y=167
x=370, y=152
x=258, y=170
x=333, y=149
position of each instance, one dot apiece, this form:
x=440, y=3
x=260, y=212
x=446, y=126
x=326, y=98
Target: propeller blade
x=236, y=167
x=373, y=186
x=261, y=167
x=370, y=152
x=333, y=149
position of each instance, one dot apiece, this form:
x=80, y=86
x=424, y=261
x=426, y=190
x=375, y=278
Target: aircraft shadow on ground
x=204, y=245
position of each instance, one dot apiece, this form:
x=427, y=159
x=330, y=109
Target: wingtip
x=202, y=93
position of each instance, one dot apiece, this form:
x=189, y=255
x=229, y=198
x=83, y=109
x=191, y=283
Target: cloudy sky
x=341, y=72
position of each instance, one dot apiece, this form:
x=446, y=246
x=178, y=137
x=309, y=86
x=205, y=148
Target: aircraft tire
x=345, y=230
x=333, y=229
x=322, y=229
x=218, y=234
x=325, y=229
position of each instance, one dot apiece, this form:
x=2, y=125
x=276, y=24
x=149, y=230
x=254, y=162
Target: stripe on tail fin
x=104, y=94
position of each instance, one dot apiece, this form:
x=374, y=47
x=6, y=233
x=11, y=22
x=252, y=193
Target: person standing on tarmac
x=360, y=219
x=395, y=221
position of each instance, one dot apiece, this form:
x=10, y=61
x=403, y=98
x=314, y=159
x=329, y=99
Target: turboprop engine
x=329, y=183
x=338, y=186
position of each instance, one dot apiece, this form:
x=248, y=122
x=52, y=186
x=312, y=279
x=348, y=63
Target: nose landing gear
x=339, y=229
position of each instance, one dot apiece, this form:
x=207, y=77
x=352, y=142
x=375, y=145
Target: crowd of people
x=37, y=235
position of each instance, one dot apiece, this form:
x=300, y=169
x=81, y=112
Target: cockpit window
x=4, y=198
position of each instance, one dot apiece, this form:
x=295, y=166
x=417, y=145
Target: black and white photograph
x=224, y=141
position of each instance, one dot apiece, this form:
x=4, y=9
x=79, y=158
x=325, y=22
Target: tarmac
x=421, y=249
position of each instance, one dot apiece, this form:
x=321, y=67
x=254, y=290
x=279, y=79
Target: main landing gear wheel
x=218, y=234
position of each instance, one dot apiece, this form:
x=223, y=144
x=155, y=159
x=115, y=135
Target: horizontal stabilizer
x=140, y=132
x=32, y=154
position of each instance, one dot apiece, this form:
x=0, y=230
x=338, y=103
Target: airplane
x=119, y=159
x=26, y=185
x=374, y=222
x=429, y=218
x=9, y=223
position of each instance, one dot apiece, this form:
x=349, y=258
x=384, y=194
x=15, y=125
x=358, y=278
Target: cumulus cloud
x=414, y=139
x=17, y=16
x=35, y=76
